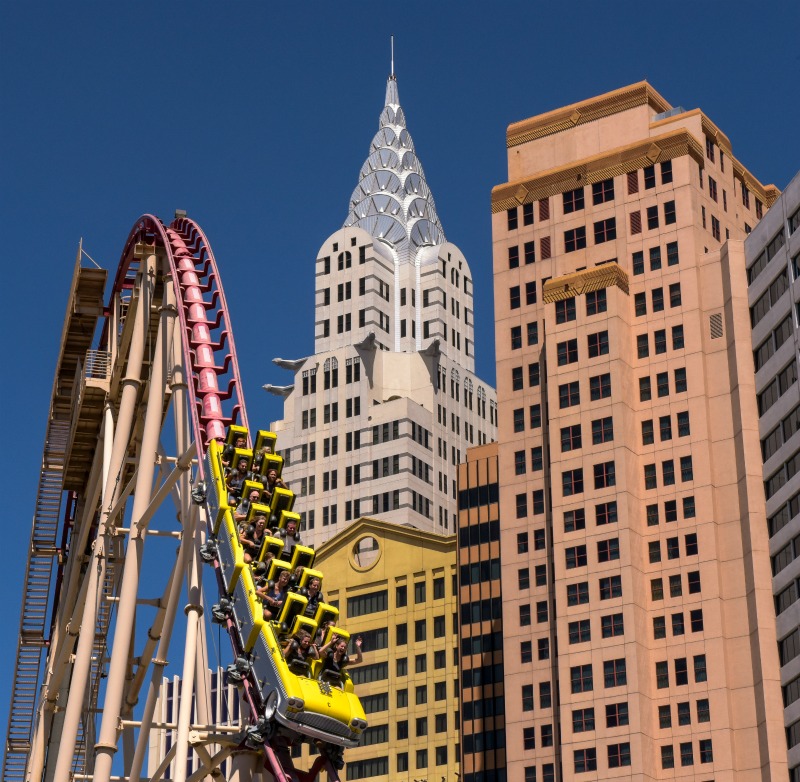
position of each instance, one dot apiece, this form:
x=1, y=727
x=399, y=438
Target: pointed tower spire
x=392, y=201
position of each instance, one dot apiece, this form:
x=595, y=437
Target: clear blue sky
x=256, y=117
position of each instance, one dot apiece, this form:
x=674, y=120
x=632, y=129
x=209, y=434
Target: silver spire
x=392, y=201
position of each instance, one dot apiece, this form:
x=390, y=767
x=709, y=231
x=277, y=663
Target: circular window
x=366, y=552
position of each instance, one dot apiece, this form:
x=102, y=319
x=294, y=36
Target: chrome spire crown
x=392, y=201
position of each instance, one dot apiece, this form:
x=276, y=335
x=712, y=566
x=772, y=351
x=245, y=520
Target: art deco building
x=377, y=420
x=773, y=268
x=629, y=461
x=395, y=586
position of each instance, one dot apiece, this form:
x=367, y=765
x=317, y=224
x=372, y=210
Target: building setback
x=773, y=268
x=629, y=464
x=378, y=419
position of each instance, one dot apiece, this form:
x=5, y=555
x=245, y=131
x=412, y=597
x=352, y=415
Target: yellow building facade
x=395, y=586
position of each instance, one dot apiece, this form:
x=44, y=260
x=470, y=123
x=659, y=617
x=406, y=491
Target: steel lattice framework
x=128, y=428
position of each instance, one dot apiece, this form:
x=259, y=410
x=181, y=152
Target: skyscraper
x=629, y=461
x=773, y=268
x=378, y=418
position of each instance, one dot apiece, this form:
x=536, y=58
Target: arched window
x=468, y=393
x=455, y=384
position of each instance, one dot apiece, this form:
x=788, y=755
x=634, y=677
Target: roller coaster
x=156, y=412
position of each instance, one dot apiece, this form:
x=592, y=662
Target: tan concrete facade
x=395, y=586
x=629, y=454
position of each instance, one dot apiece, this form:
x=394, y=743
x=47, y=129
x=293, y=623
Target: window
x=669, y=213
x=677, y=338
x=573, y=200
x=519, y=419
x=511, y=217
x=533, y=374
x=614, y=673
x=522, y=537
x=572, y=482
x=700, y=670
x=567, y=352
x=638, y=262
x=662, y=675
x=582, y=720
x=598, y=344
x=610, y=587
x=516, y=379
x=525, y=652
x=535, y=416
x=672, y=254
x=524, y=615
x=513, y=258
x=419, y=592
x=649, y=177
x=570, y=438
x=585, y=760
x=675, y=588
x=667, y=756
x=578, y=594
x=660, y=341
x=612, y=625
x=533, y=333
x=579, y=632
x=421, y=694
x=645, y=391
x=519, y=463
x=574, y=239
x=640, y=304
x=514, y=297
x=575, y=556
x=655, y=258
x=527, y=214
x=596, y=302
x=422, y=758
x=696, y=620
x=677, y=624
x=569, y=394
x=642, y=346
x=607, y=550
x=565, y=310
x=659, y=627
x=602, y=191
x=600, y=386
x=666, y=172
x=662, y=384
x=606, y=513
x=647, y=432
x=602, y=430
x=675, y=295
x=654, y=546
x=665, y=427
x=652, y=217
x=604, y=475
x=680, y=380
x=529, y=738
x=516, y=338
x=574, y=520
x=706, y=750
x=530, y=292
x=619, y=755
x=529, y=249
x=657, y=295
x=605, y=230
x=581, y=678
x=420, y=630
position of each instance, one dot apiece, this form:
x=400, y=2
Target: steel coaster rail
x=202, y=312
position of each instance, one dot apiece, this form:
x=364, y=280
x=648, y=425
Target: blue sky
x=256, y=117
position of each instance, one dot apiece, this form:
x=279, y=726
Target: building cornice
x=621, y=160
x=576, y=284
x=614, y=102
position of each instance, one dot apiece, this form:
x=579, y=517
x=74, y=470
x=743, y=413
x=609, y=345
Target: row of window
x=781, y=434
x=596, y=302
x=609, y=587
x=668, y=472
x=675, y=585
x=602, y=432
x=596, y=345
x=662, y=384
x=705, y=753
x=659, y=342
x=773, y=342
x=657, y=299
x=569, y=394
x=782, y=475
x=778, y=520
x=770, y=251
x=532, y=335
x=611, y=626
x=375, y=767
x=572, y=480
x=602, y=192
x=770, y=297
x=331, y=375
x=683, y=427
x=654, y=255
x=779, y=385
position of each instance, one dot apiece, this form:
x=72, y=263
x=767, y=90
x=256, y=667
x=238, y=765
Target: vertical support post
x=189, y=514
x=106, y=746
x=111, y=489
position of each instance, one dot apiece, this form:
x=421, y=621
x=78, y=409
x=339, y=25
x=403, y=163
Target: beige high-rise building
x=635, y=569
x=377, y=420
